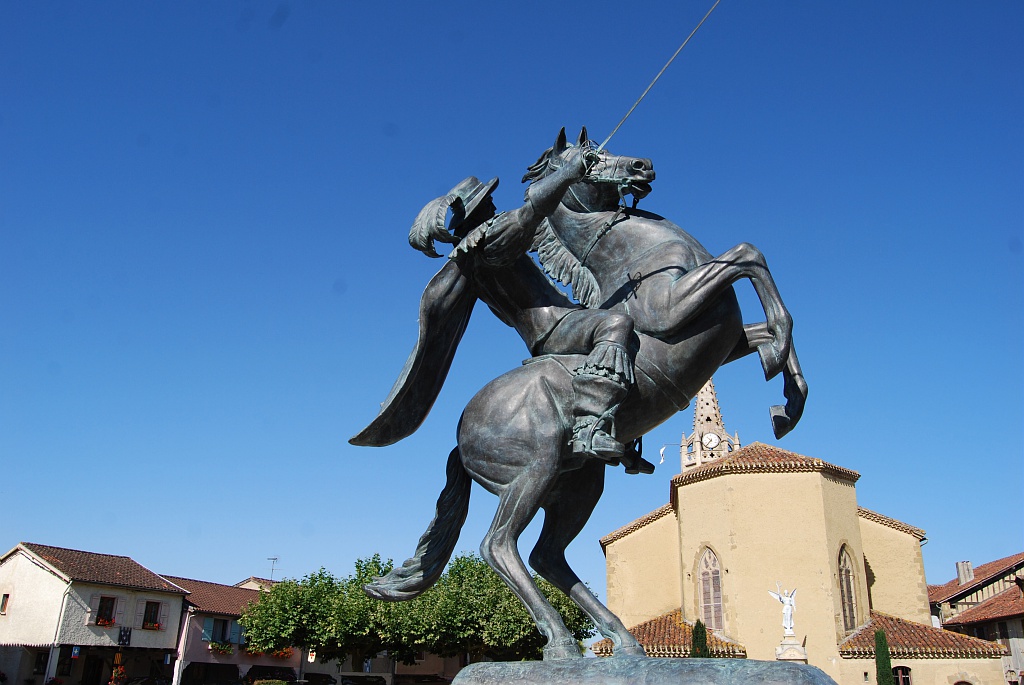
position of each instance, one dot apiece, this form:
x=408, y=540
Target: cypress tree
x=883, y=662
x=699, y=642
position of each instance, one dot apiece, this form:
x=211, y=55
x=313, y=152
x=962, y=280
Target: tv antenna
x=273, y=562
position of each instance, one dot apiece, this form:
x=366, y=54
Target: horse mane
x=540, y=168
x=564, y=267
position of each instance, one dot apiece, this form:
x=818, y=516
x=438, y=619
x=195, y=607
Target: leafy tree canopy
x=468, y=611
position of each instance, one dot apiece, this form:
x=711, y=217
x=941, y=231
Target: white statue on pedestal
x=788, y=601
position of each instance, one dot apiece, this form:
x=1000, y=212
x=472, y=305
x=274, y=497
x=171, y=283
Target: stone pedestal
x=790, y=649
x=639, y=670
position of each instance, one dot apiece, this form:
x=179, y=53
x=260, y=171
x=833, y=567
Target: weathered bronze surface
x=656, y=317
x=642, y=671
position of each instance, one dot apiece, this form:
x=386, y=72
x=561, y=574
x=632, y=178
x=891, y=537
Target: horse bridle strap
x=605, y=230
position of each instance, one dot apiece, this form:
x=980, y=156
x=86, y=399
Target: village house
x=69, y=615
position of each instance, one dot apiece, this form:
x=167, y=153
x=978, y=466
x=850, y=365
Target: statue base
x=641, y=670
x=791, y=649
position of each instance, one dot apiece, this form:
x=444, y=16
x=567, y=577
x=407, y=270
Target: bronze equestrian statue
x=657, y=316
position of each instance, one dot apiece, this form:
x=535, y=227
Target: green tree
x=468, y=611
x=699, y=642
x=883, y=661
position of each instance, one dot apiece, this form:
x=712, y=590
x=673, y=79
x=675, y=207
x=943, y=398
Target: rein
x=620, y=186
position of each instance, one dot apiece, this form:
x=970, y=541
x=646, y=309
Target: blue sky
x=205, y=286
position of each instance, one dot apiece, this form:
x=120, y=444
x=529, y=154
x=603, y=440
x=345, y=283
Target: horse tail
x=436, y=545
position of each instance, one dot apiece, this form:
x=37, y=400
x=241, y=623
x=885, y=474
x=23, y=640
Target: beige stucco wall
x=785, y=527
x=35, y=602
x=643, y=572
x=895, y=569
x=75, y=631
x=928, y=671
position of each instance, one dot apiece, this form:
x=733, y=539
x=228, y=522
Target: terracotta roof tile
x=890, y=522
x=103, y=569
x=1006, y=604
x=214, y=598
x=636, y=525
x=909, y=640
x=982, y=574
x=760, y=458
x=670, y=636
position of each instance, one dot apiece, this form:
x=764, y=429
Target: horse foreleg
x=784, y=418
x=567, y=509
x=691, y=292
x=518, y=504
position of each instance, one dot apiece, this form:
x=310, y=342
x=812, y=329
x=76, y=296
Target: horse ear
x=560, y=142
x=584, y=138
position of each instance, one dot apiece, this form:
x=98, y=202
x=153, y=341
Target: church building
x=771, y=551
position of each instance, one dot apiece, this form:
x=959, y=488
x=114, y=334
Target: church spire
x=709, y=440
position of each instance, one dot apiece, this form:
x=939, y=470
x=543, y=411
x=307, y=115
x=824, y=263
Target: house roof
x=982, y=574
x=758, y=457
x=890, y=522
x=633, y=526
x=909, y=640
x=102, y=569
x=214, y=598
x=256, y=580
x=670, y=636
x=1006, y=604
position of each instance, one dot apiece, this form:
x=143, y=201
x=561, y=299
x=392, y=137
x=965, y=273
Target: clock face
x=710, y=440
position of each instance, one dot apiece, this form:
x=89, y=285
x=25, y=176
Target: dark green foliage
x=469, y=610
x=883, y=662
x=699, y=643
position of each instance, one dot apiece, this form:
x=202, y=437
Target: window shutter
x=140, y=612
x=207, y=629
x=118, y=611
x=165, y=611
x=94, y=606
x=235, y=631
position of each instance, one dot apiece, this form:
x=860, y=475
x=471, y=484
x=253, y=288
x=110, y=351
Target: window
x=64, y=660
x=105, y=611
x=220, y=629
x=42, y=660
x=846, y=590
x=3, y=603
x=151, y=616
x=710, y=591
x=901, y=675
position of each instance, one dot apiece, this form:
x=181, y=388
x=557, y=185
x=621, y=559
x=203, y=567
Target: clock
x=710, y=441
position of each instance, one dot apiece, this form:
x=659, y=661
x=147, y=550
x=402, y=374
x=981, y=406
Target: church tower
x=709, y=440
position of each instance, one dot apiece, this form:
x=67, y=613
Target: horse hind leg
x=567, y=509
x=518, y=504
x=784, y=418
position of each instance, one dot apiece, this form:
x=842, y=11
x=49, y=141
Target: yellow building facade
x=746, y=528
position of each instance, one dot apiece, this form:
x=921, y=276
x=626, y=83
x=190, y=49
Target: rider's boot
x=600, y=384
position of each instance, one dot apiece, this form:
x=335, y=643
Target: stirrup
x=591, y=441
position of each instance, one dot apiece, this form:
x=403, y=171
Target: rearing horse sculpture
x=513, y=437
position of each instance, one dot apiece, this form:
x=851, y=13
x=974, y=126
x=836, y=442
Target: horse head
x=609, y=179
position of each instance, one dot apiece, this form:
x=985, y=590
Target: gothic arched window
x=846, y=590
x=710, y=591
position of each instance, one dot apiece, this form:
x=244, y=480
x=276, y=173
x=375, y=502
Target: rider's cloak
x=445, y=307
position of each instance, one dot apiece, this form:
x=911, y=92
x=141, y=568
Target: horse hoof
x=565, y=649
x=781, y=423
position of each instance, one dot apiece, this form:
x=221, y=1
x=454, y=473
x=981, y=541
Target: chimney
x=964, y=572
